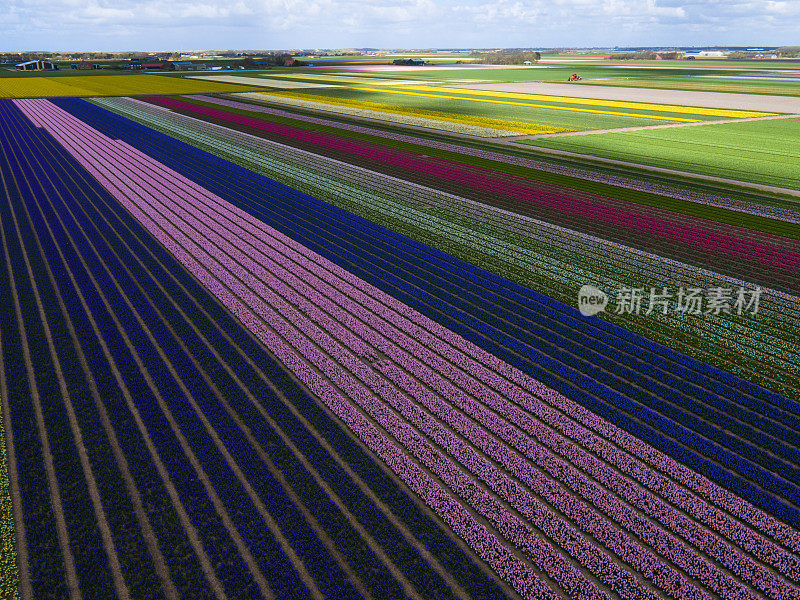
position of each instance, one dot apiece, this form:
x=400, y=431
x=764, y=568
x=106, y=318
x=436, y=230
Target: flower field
x=248, y=350
x=110, y=85
x=434, y=119
x=541, y=113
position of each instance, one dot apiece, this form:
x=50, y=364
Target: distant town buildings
x=84, y=65
x=706, y=54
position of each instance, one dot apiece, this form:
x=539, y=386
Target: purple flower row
x=715, y=519
x=131, y=192
x=361, y=348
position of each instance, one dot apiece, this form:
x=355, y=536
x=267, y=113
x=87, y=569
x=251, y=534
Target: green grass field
x=734, y=86
x=615, y=73
x=765, y=152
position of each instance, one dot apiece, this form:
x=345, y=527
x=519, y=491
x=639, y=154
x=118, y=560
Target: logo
x=591, y=300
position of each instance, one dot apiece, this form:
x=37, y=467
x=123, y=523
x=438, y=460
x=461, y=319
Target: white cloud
x=395, y=23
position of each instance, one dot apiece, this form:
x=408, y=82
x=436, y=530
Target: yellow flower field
x=512, y=127
x=511, y=102
x=347, y=79
x=690, y=110
x=110, y=85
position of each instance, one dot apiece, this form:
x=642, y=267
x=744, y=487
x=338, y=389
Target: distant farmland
x=330, y=339
x=111, y=85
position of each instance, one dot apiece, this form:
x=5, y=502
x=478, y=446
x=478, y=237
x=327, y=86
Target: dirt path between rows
x=766, y=103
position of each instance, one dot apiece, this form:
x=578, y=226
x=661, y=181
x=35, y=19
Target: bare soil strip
x=780, y=104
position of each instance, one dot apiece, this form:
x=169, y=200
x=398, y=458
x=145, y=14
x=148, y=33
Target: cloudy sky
x=283, y=24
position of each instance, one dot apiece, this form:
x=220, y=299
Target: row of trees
x=272, y=59
x=783, y=52
x=509, y=57
x=645, y=55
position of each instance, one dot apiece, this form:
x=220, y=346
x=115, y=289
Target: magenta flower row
x=484, y=179
x=622, y=182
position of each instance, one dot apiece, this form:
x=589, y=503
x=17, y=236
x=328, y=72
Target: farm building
x=84, y=65
x=706, y=54
x=162, y=66
x=187, y=65
x=410, y=62
x=36, y=65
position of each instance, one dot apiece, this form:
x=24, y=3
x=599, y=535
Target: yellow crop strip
x=314, y=77
x=511, y=126
x=549, y=106
x=688, y=110
x=109, y=85
x=344, y=79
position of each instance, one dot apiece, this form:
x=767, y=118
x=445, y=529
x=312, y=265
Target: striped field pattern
x=226, y=380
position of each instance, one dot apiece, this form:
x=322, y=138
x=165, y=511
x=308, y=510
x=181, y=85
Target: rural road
x=782, y=104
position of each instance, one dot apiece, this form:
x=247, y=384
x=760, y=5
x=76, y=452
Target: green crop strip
x=712, y=213
x=765, y=152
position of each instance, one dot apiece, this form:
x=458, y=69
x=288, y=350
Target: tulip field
x=254, y=348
